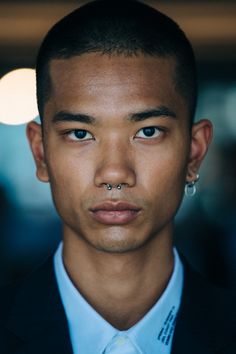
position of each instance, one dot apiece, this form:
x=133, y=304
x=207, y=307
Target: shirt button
x=121, y=341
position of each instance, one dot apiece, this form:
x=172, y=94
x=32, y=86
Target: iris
x=80, y=134
x=149, y=131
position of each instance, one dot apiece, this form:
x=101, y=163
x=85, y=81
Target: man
x=116, y=87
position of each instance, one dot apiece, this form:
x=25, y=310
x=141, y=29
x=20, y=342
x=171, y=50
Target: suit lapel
x=206, y=323
x=37, y=317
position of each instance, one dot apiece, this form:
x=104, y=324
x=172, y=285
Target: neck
x=121, y=287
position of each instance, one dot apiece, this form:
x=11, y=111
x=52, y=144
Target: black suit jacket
x=33, y=320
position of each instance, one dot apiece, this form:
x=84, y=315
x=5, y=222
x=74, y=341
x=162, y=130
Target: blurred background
x=206, y=224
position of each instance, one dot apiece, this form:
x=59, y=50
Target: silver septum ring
x=110, y=186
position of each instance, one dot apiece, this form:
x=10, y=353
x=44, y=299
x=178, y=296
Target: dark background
x=206, y=224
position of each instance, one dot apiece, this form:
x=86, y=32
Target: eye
x=149, y=132
x=79, y=135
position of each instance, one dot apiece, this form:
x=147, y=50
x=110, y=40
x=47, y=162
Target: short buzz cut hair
x=118, y=27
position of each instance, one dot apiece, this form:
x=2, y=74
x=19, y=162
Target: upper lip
x=115, y=206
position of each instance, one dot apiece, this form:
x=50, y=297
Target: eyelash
x=150, y=128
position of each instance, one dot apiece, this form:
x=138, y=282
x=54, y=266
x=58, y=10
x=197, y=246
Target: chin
x=121, y=245
x=119, y=249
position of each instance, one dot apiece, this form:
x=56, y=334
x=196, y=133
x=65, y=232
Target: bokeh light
x=18, y=103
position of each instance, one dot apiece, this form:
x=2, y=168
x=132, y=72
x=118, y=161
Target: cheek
x=67, y=179
x=163, y=177
x=164, y=166
x=66, y=165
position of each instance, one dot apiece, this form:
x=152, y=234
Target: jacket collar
x=37, y=317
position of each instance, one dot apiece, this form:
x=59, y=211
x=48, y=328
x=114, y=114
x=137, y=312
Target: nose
x=115, y=167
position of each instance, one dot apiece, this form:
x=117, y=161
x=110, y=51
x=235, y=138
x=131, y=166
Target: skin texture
x=121, y=268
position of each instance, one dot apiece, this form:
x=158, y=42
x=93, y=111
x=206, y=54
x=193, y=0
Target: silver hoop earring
x=190, y=187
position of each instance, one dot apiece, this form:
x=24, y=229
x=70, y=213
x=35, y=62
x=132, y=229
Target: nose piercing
x=110, y=186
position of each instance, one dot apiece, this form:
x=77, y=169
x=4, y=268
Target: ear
x=200, y=140
x=34, y=135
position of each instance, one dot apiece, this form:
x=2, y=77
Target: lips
x=115, y=213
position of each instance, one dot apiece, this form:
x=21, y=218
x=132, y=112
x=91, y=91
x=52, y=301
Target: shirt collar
x=90, y=333
x=154, y=332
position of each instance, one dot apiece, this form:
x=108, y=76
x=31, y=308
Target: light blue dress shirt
x=92, y=334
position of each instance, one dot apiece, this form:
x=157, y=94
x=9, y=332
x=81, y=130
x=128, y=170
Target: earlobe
x=200, y=140
x=34, y=135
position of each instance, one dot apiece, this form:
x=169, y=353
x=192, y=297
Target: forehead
x=113, y=80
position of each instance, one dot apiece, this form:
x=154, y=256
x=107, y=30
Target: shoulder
x=32, y=315
x=8, y=293
x=33, y=289
x=23, y=301
x=207, y=315
x=207, y=296
x=7, y=298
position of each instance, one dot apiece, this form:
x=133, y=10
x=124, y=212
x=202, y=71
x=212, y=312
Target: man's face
x=112, y=120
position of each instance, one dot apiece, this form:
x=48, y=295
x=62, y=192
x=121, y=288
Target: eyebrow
x=162, y=111
x=64, y=116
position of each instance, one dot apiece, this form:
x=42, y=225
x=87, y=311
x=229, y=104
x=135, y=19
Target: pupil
x=80, y=134
x=149, y=131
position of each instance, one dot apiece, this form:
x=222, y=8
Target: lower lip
x=115, y=217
